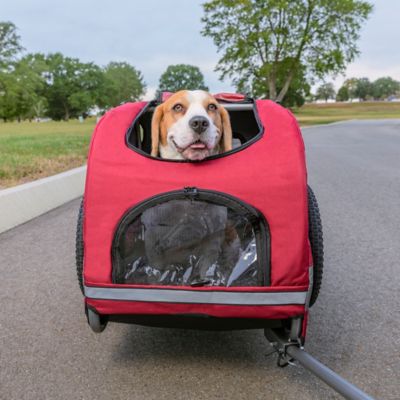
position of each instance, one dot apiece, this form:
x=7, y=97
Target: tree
x=256, y=36
x=343, y=94
x=10, y=45
x=351, y=85
x=122, y=83
x=72, y=87
x=23, y=87
x=296, y=94
x=326, y=91
x=363, y=88
x=30, y=84
x=8, y=96
x=181, y=76
x=385, y=87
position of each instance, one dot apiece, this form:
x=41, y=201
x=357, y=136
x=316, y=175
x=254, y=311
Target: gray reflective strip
x=187, y=296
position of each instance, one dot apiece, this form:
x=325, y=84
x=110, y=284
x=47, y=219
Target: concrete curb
x=21, y=203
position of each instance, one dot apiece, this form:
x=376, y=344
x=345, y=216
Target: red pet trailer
x=230, y=242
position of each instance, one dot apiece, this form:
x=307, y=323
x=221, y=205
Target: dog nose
x=199, y=124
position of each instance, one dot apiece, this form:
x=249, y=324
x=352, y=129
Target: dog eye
x=212, y=107
x=177, y=107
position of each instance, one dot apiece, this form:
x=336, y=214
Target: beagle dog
x=190, y=125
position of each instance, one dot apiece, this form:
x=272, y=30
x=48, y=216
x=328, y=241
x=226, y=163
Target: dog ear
x=155, y=129
x=226, y=130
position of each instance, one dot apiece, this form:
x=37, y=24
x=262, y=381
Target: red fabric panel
x=230, y=97
x=166, y=95
x=107, y=307
x=270, y=174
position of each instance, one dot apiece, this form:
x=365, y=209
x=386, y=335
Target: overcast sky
x=152, y=34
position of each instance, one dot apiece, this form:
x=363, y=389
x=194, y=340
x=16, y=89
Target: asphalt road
x=47, y=351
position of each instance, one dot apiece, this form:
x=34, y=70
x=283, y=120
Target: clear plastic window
x=190, y=243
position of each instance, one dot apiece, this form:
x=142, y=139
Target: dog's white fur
x=180, y=133
x=177, y=139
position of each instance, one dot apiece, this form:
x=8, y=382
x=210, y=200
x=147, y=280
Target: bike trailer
x=230, y=242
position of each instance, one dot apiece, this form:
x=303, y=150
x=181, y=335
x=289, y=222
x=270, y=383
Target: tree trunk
x=296, y=61
x=272, y=85
x=286, y=86
x=66, y=115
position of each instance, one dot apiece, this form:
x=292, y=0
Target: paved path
x=47, y=351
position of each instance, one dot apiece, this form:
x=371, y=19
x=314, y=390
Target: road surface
x=47, y=351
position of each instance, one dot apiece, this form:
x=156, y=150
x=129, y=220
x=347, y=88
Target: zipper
x=190, y=191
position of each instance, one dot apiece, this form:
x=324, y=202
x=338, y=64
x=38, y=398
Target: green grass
x=32, y=150
x=314, y=114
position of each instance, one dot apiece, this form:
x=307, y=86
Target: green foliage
x=351, y=85
x=72, y=87
x=62, y=87
x=10, y=45
x=343, y=94
x=255, y=38
x=30, y=84
x=122, y=83
x=385, y=87
x=181, y=76
x=326, y=91
x=8, y=95
x=362, y=89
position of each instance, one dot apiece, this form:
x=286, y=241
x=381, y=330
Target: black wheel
x=79, y=247
x=317, y=244
x=96, y=322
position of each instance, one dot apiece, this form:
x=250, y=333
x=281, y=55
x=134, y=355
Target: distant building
x=321, y=101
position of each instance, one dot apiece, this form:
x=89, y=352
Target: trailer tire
x=317, y=244
x=96, y=322
x=79, y=247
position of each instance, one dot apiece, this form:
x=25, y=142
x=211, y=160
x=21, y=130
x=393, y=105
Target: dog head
x=190, y=125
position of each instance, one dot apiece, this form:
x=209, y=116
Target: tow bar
x=291, y=350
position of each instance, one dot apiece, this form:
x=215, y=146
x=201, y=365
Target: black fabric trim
x=196, y=321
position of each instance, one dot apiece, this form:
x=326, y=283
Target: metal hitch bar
x=289, y=351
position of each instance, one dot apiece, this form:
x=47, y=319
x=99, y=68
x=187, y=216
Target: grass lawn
x=32, y=150
x=314, y=114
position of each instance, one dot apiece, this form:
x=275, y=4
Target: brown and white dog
x=190, y=125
